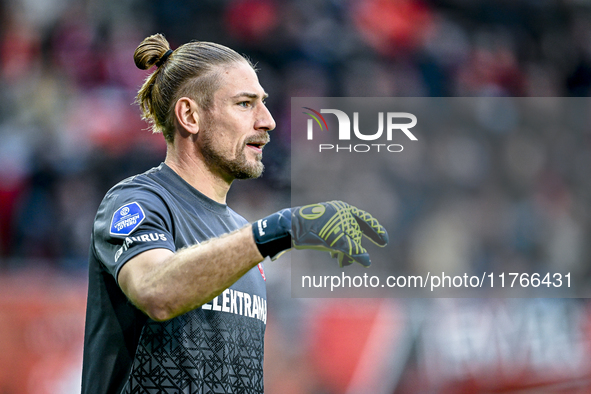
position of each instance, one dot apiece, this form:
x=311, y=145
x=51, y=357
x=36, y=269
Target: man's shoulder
x=136, y=193
x=147, y=180
x=147, y=185
x=138, y=202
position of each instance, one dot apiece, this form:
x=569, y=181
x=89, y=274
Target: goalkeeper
x=176, y=292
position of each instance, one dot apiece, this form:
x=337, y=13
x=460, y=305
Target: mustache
x=258, y=139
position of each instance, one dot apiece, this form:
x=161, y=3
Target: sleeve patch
x=126, y=219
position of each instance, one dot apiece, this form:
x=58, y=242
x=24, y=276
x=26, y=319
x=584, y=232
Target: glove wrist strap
x=272, y=234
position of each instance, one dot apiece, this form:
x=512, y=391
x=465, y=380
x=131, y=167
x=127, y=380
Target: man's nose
x=265, y=120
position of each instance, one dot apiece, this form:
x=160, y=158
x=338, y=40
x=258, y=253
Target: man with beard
x=176, y=302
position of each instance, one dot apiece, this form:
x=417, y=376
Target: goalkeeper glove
x=333, y=226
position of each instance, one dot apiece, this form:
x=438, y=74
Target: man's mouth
x=258, y=144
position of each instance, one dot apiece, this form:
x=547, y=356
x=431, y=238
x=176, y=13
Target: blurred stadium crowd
x=69, y=130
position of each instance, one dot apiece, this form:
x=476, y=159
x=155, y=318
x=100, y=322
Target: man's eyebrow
x=250, y=95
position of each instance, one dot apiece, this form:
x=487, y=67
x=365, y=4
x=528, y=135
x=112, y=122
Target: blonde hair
x=192, y=70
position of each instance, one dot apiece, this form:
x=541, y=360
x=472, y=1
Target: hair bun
x=163, y=58
x=153, y=50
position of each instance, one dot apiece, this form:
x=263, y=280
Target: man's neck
x=197, y=174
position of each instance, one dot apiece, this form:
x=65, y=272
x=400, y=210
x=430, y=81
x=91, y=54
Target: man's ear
x=187, y=114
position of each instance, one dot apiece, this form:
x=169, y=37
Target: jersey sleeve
x=130, y=220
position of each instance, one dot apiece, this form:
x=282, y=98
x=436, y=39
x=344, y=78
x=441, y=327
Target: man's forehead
x=238, y=81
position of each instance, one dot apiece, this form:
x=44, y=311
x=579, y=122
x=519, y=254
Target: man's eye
x=244, y=104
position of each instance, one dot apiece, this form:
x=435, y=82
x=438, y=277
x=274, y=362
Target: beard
x=238, y=167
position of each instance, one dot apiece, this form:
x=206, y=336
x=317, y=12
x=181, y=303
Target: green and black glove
x=333, y=226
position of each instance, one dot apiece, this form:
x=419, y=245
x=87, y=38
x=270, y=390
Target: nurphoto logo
x=344, y=131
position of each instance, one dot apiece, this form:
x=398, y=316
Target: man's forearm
x=166, y=285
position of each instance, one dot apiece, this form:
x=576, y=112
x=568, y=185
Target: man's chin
x=250, y=171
